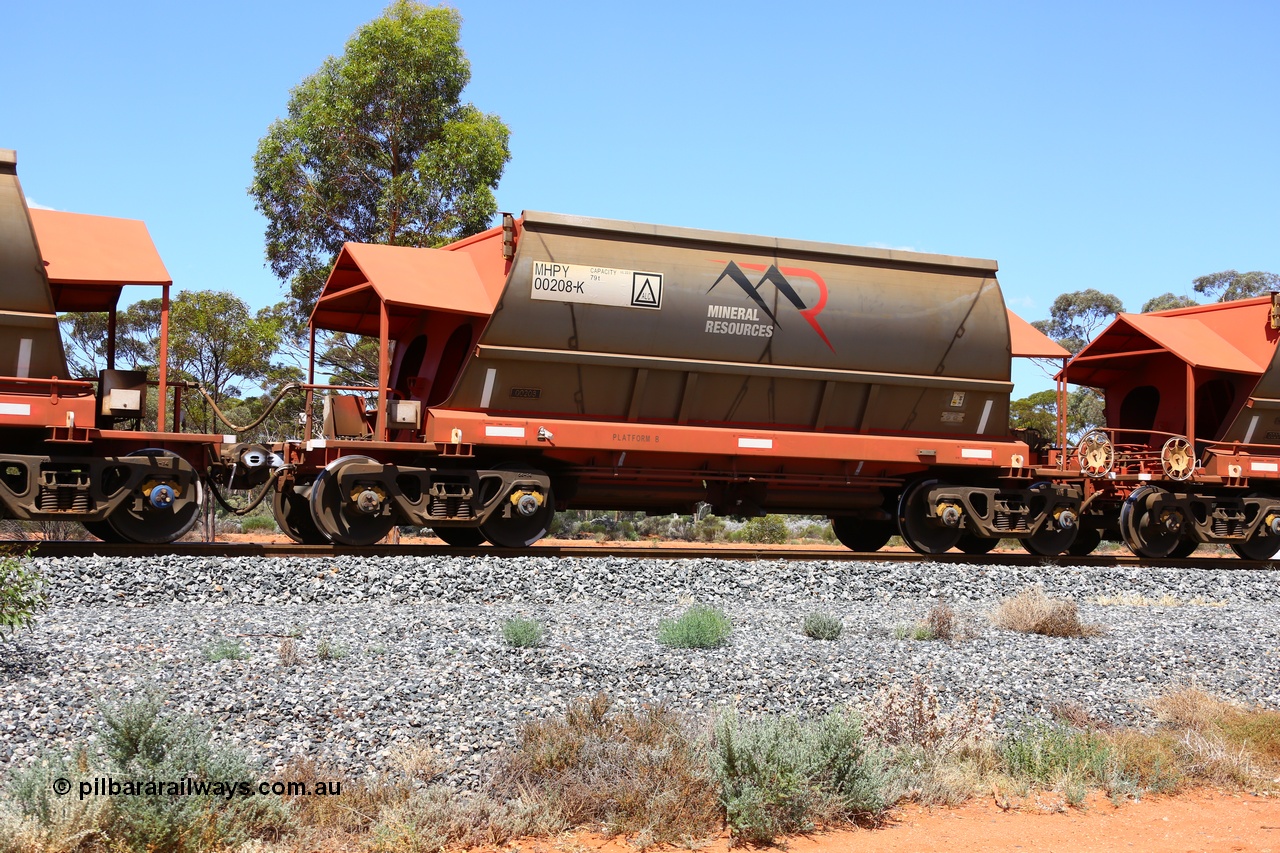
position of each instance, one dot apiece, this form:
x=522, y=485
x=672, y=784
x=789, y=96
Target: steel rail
x=85, y=548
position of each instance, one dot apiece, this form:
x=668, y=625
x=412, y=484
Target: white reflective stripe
x=1265, y=466
x=974, y=453
x=1144, y=476
x=316, y=443
x=15, y=409
x=1253, y=424
x=487, y=394
x=504, y=432
x=986, y=413
x=24, y=359
x=758, y=443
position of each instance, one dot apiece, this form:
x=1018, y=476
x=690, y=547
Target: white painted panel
x=23, y=409
x=1265, y=466
x=757, y=443
x=1253, y=424
x=986, y=413
x=504, y=431
x=974, y=453
x=24, y=358
x=487, y=395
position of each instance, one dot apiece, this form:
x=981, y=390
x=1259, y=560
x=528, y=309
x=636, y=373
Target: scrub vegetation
x=652, y=775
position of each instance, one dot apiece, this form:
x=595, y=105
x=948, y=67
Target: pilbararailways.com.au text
x=107, y=786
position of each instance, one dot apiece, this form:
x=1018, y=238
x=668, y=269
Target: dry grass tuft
x=1033, y=612
x=635, y=773
x=289, y=654
x=914, y=717
x=1188, y=708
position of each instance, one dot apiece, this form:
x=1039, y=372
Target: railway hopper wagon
x=560, y=361
x=1191, y=448
x=74, y=449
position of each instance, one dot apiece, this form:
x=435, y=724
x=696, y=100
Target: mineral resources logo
x=746, y=321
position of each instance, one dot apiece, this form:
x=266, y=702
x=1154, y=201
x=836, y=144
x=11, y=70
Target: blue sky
x=1124, y=146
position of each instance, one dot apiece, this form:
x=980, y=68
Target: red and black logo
x=777, y=276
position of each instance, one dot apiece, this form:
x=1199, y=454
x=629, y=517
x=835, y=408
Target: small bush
x=289, y=654
x=140, y=744
x=768, y=530
x=258, y=524
x=21, y=595
x=326, y=650
x=522, y=633
x=913, y=716
x=940, y=623
x=823, y=626
x=1033, y=612
x=224, y=649
x=635, y=773
x=699, y=627
x=782, y=775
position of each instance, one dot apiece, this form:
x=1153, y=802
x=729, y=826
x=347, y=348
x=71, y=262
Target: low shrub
x=21, y=595
x=699, y=627
x=823, y=626
x=782, y=775
x=913, y=716
x=327, y=650
x=635, y=773
x=141, y=745
x=258, y=524
x=1033, y=612
x=522, y=633
x=224, y=649
x=766, y=530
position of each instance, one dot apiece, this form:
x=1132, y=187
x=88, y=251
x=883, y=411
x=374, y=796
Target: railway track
x=275, y=549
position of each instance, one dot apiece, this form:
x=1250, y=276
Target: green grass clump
x=326, y=650
x=823, y=626
x=783, y=775
x=699, y=627
x=522, y=633
x=768, y=530
x=224, y=649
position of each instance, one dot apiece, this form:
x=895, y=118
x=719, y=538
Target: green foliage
x=142, y=745
x=1057, y=756
x=327, y=650
x=21, y=595
x=224, y=649
x=1229, y=285
x=768, y=530
x=215, y=340
x=782, y=775
x=1039, y=411
x=823, y=626
x=522, y=633
x=1166, y=302
x=699, y=627
x=258, y=523
x=1074, y=317
x=378, y=147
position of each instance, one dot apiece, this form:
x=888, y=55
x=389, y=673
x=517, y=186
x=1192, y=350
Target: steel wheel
x=1086, y=540
x=976, y=545
x=1049, y=541
x=291, y=507
x=337, y=515
x=915, y=527
x=1186, y=548
x=1257, y=548
x=860, y=534
x=164, y=507
x=459, y=537
x=1146, y=534
x=103, y=530
x=510, y=526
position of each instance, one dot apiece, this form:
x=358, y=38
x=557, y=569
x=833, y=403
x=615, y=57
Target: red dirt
x=1201, y=821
